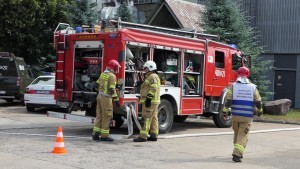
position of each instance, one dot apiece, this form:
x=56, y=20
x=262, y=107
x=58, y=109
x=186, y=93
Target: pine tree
x=81, y=12
x=224, y=18
x=124, y=13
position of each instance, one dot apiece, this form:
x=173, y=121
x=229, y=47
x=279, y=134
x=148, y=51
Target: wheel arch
x=172, y=100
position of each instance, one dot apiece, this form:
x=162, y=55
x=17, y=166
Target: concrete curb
x=275, y=121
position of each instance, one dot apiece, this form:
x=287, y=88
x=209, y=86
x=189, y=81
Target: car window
x=44, y=81
x=8, y=67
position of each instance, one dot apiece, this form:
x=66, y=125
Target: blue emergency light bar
x=49, y=73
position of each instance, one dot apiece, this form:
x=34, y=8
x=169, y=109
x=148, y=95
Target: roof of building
x=186, y=14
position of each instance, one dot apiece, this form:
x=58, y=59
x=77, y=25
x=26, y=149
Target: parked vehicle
x=194, y=70
x=14, y=77
x=40, y=93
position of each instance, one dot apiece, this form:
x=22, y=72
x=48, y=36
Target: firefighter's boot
x=96, y=137
x=153, y=137
x=236, y=158
x=139, y=139
x=107, y=139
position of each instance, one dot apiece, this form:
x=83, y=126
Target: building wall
x=297, y=93
x=279, y=25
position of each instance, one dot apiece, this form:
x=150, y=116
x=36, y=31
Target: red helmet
x=243, y=71
x=113, y=64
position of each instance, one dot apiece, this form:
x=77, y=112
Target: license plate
x=42, y=92
x=2, y=92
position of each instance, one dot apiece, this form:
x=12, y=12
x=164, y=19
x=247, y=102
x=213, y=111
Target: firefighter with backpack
x=242, y=100
x=106, y=96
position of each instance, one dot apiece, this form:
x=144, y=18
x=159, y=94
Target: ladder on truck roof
x=143, y=27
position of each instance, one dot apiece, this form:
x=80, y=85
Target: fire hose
x=131, y=113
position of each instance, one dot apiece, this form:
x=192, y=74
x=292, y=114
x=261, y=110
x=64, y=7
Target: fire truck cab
x=194, y=69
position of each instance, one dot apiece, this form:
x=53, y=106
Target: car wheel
x=9, y=100
x=30, y=108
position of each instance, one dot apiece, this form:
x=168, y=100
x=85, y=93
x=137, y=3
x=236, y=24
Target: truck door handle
x=215, y=78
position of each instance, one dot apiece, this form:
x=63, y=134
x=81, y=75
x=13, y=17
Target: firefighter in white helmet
x=107, y=95
x=150, y=99
x=241, y=100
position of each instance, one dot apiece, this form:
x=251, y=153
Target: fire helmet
x=150, y=65
x=243, y=72
x=114, y=65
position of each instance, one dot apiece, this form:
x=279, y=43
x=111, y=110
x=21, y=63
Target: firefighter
x=106, y=96
x=242, y=100
x=150, y=99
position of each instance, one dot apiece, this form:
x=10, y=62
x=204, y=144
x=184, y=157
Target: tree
x=124, y=13
x=81, y=12
x=27, y=27
x=224, y=18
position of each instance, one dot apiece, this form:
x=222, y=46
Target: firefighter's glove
x=259, y=112
x=148, y=99
x=148, y=102
x=226, y=111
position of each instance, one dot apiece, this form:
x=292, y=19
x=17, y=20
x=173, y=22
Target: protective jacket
x=107, y=84
x=151, y=88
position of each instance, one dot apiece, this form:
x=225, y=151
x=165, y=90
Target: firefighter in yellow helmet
x=150, y=99
x=107, y=94
x=241, y=100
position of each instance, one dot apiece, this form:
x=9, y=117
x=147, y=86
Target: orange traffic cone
x=59, y=147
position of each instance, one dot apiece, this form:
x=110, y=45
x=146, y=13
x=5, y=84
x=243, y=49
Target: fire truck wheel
x=180, y=119
x=118, y=121
x=220, y=121
x=165, y=116
x=29, y=108
x=91, y=111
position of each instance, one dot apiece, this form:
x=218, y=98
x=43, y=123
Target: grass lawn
x=292, y=115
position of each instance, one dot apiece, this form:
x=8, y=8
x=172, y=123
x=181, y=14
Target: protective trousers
x=151, y=121
x=104, y=114
x=240, y=138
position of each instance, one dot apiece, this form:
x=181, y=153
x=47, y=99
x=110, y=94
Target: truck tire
x=91, y=111
x=180, y=119
x=30, y=108
x=220, y=121
x=118, y=121
x=165, y=116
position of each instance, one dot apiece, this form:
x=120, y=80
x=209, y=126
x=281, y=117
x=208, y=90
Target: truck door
x=221, y=74
x=236, y=64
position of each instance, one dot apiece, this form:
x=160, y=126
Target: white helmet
x=150, y=65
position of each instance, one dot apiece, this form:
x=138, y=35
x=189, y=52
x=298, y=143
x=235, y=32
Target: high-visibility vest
x=107, y=81
x=243, y=99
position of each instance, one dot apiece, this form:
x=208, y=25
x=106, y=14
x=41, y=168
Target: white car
x=40, y=93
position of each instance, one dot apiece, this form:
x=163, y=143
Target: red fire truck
x=194, y=69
